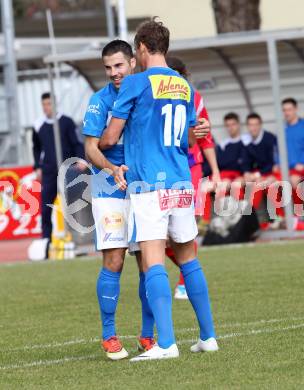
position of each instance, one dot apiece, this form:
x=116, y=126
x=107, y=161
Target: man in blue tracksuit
x=45, y=163
x=294, y=133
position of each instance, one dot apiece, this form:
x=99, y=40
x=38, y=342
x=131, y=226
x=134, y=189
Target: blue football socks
x=108, y=289
x=146, y=312
x=197, y=290
x=160, y=301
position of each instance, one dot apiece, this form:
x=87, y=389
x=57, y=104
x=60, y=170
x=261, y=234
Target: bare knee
x=141, y=266
x=113, y=259
x=183, y=252
x=152, y=252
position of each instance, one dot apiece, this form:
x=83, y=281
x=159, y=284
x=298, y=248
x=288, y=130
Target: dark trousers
x=48, y=196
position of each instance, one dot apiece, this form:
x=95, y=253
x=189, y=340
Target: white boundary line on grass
x=49, y=362
x=249, y=333
x=181, y=342
x=57, y=344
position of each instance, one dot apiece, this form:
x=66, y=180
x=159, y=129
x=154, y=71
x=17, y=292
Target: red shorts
x=266, y=175
x=230, y=175
x=292, y=172
x=296, y=172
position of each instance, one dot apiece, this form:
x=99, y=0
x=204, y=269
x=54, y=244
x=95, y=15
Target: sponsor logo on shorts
x=169, y=199
x=108, y=237
x=112, y=221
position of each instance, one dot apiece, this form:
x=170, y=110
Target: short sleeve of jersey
x=126, y=96
x=201, y=112
x=193, y=119
x=95, y=119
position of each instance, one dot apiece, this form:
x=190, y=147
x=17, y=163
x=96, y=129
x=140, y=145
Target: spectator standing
x=45, y=162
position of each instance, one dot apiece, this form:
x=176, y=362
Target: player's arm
x=211, y=158
x=120, y=113
x=94, y=123
x=96, y=157
x=191, y=138
x=199, y=128
x=112, y=133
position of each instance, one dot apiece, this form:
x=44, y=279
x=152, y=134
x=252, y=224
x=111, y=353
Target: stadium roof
x=230, y=39
x=87, y=59
x=83, y=53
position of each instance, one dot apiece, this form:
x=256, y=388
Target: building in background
x=195, y=18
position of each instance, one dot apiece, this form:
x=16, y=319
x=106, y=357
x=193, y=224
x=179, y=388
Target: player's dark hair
x=154, y=35
x=290, y=101
x=254, y=115
x=46, y=95
x=177, y=64
x=232, y=116
x=117, y=46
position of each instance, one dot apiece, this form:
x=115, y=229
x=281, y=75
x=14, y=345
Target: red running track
x=14, y=250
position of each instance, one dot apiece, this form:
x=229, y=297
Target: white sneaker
x=210, y=345
x=158, y=353
x=180, y=292
x=37, y=251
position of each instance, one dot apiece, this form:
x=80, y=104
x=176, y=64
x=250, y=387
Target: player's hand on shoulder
x=119, y=176
x=202, y=128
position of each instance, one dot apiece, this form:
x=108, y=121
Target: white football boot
x=180, y=292
x=157, y=353
x=210, y=345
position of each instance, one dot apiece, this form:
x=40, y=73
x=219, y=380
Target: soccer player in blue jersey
x=154, y=110
x=109, y=205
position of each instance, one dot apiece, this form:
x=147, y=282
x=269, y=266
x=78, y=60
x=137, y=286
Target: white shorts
x=157, y=214
x=111, y=217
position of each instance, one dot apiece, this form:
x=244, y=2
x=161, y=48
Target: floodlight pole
x=50, y=26
x=110, y=20
x=122, y=20
x=275, y=82
x=10, y=80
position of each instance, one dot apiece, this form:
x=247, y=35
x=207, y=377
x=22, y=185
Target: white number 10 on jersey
x=179, y=123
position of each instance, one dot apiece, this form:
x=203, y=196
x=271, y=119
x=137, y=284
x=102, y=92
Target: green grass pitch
x=49, y=325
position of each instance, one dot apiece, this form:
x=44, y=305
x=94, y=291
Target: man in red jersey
x=195, y=159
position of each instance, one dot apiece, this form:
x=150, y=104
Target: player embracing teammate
x=155, y=110
x=110, y=205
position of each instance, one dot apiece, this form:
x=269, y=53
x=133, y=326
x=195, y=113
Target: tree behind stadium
x=236, y=15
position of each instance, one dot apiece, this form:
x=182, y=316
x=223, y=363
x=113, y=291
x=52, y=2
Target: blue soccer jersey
x=97, y=117
x=158, y=105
